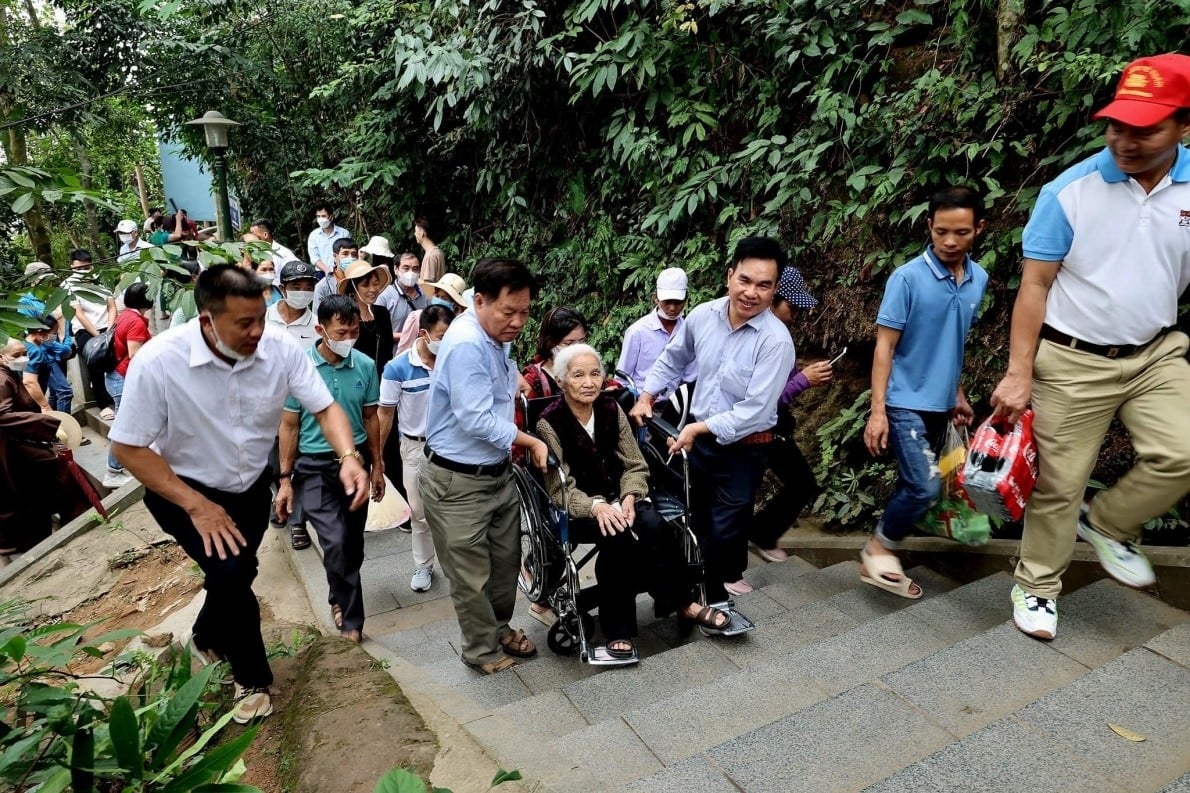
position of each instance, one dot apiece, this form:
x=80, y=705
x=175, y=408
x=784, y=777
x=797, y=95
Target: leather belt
x=495, y=469
x=1106, y=350
x=418, y=438
x=757, y=438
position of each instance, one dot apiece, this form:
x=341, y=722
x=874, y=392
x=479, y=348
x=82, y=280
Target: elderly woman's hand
x=611, y=520
x=628, y=507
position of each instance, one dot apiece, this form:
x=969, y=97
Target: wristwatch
x=353, y=453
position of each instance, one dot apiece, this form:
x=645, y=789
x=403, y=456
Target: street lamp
x=216, y=126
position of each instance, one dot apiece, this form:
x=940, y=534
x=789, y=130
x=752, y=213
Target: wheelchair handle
x=552, y=461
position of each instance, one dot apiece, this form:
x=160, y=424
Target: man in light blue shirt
x=744, y=355
x=466, y=481
x=921, y=332
x=320, y=243
x=646, y=338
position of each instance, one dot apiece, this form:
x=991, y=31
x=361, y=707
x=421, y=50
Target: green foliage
x=399, y=780
x=852, y=484
x=55, y=733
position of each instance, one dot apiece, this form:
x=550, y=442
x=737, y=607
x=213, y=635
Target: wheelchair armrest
x=663, y=427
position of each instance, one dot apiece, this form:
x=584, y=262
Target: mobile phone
x=838, y=357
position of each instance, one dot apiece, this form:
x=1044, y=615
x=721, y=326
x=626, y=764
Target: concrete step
x=90, y=418
x=92, y=458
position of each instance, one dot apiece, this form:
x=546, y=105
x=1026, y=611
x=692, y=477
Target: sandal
x=518, y=645
x=352, y=635
x=546, y=618
x=626, y=648
x=711, y=618
x=337, y=615
x=299, y=537
x=885, y=566
x=492, y=667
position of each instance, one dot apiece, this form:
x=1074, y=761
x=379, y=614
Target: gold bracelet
x=353, y=453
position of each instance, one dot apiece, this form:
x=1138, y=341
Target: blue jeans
x=913, y=437
x=115, y=387
x=61, y=394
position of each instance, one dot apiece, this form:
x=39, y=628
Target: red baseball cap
x=1150, y=90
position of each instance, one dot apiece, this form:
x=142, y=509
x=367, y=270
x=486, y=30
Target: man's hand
x=819, y=373
x=611, y=520
x=876, y=433
x=539, y=453
x=961, y=415
x=1011, y=396
x=642, y=410
x=218, y=531
x=355, y=482
x=377, y=483
x=628, y=507
x=685, y=439
x=283, y=503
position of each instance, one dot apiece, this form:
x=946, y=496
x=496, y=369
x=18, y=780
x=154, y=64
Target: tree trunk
x=1010, y=15
x=80, y=150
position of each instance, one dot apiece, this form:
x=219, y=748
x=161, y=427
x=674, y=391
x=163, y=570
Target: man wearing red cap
x=1106, y=257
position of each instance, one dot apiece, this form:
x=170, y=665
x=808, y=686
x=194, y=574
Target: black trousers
x=340, y=533
x=798, y=489
x=94, y=375
x=652, y=561
x=725, y=481
x=229, y=622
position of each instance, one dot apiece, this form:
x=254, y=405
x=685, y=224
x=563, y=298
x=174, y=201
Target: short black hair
x=555, y=325
x=80, y=254
x=1182, y=115
x=956, y=197
x=344, y=242
x=426, y=226
x=338, y=307
x=324, y=207
x=760, y=248
x=154, y=210
x=136, y=296
x=190, y=266
x=492, y=275
x=432, y=315
x=216, y=284
x=263, y=223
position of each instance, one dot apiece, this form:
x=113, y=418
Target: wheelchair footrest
x=739, y=622
x=600, y=657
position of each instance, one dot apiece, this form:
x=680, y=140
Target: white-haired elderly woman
x=608, y=483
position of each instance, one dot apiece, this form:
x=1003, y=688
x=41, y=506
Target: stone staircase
x=841, y=687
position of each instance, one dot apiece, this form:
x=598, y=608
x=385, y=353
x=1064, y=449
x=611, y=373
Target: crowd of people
x=301, y=384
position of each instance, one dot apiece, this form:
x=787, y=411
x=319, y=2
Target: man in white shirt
x=201, y=407
x=130, y=241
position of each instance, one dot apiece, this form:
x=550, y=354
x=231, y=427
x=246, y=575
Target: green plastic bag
x=954, y=519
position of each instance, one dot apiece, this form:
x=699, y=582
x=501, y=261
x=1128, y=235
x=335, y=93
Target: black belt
x=418, y=438
x=495, y=469
x=1106, y=350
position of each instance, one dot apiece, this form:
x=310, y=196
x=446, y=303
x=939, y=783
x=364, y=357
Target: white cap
x=126, y=227
x=671, y=284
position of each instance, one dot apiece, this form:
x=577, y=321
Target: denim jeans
x=115, y=387
x=61, y=394
x=913, y=437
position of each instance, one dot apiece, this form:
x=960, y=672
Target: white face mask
x=340, y=348
x=432, y=344
x=407, y=278
x=299, y=300
x=324, y=223
x=18, y=365
x=125, y=238
x=669, y=317
x=223, y=349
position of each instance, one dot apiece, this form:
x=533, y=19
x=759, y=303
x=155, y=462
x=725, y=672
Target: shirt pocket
x=735, y=380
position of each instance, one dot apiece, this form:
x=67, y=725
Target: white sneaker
x=107, y=414
x=114, y=479
x=1035, y=616
x=422, y=577
x=1123, y=561
x=251, y=703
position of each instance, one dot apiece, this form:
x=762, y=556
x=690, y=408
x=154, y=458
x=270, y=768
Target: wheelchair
x=551, y=561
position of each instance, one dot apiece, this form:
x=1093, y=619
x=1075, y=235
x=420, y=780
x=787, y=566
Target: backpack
x=99, y=353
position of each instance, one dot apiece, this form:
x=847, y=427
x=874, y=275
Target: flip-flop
x=884, y=565
x=630, y=652
x=337, y=615
x=492, y=667
x=546, y=618
x=518, y=645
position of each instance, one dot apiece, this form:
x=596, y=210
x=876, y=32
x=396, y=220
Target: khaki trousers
x=1075, y=396
x=476, y=525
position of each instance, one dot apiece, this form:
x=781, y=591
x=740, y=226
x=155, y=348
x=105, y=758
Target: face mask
x=340, y=348
x=669, y=317
x=408, y=278
x=441, y=301
x=18, y=365
x=345, y=263
x=223, y=349
x=299, y=300
x=125, y=238
x=432, y=345
x=324, y=223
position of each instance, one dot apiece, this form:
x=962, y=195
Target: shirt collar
x=941, y=272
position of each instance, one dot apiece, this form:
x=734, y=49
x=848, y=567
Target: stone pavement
x=840, y=688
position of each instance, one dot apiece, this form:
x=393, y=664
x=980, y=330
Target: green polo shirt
x=353, y=384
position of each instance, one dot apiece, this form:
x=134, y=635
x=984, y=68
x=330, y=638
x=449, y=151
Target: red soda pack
x=1001, y=467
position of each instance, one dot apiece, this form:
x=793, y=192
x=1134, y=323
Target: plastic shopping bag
x=951, y=456
x=1001, y=467
x=954, y=519
x=390, y=512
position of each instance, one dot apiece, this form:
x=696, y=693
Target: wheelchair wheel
x=563, y=638
x=532, y=579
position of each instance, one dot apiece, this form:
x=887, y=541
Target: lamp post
x=216, y=126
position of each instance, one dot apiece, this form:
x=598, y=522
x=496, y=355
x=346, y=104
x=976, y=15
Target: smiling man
x=1107, y=256
x=744, y=354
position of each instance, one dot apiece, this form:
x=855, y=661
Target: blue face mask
x=345, y=263
x=441, y=301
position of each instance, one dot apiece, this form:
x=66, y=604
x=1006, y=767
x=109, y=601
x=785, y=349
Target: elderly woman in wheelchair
x=608, y=503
